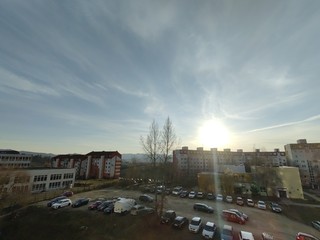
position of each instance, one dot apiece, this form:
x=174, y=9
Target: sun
x=213, y=134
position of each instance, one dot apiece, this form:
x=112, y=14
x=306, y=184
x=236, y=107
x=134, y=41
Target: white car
x=243, y=235
x=195, y=224
x=219, y=197
x=209, y=230
x=62, y=203
x=192, y=194
x=229, y=199
x=262, y=205
x=250, y=202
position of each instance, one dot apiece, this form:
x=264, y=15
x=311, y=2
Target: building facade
x=306, y=157
x=14, y=159
x=96, y=165
x=191, y=162
x=36, y=180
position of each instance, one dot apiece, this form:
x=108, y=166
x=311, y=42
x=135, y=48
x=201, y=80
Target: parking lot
x=259, y=220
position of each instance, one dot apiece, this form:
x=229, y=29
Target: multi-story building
x=191, y=162
x=36, y=180
x=306, y=157
x=14, y=159
x=92, y=165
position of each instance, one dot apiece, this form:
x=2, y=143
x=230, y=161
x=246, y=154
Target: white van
x=124, y=205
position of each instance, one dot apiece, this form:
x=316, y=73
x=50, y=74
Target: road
x=260, y=221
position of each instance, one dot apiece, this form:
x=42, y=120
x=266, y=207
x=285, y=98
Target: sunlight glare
x=213, y=134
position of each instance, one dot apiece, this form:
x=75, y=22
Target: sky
x=79, y=76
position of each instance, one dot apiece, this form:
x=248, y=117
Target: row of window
x=5, y=158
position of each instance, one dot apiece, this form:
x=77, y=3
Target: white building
x=36, y=180
x=306, y=157
x=14, y=159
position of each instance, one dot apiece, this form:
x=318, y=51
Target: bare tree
x=151, y=144
x=168, y=140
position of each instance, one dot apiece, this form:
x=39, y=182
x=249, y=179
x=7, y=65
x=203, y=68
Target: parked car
x=229, y=199
x=94, y=205
x=200, y=195
x=243, y=235
x=305, y=236
x=146, y=198
x=168, y=217
x=240, y=201
x=62, y=203
x=109, y=209
x=232, y=216
x=209, y=230
x=219, y=197
x=261, y=205
x=266, y=236
x=184, y=194
x=227, y=233
x=180, y=222
x=275, y=207
x=245, y=216
x=141, y=210
x=195, y=224
x=316, y=224
x=192, y=194
x=67, y=194
x=203, y=207
x=250, y=202
x=104, y=204
x=80, y=202
x=176, y=191
x=52, y=201
x=211, y=196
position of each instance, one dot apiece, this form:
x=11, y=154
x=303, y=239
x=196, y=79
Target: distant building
x=14, y=159
x=96, y=165
x=36, y=180
x=191, y=162
x=306, y=157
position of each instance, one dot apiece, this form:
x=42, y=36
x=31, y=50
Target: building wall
x=97, y=165
x=191, y=162
x=36, y=180
x=306, y=157
x=14, y=159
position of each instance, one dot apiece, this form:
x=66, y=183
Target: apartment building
x=14, y=159
x=306, y=157
x=101, y=164
x=191, y=162
x=36, y=180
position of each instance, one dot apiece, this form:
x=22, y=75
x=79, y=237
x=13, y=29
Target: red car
x=67, y=194
x=94, y=205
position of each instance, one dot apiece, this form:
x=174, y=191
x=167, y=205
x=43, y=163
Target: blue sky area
x=77, y=76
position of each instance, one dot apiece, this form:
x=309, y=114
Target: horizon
x=77, y=76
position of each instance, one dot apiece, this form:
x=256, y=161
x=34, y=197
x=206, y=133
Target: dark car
x=184, y=194
x=275, y=207
x=80, y=202
x=168, y=217
x=203, y=207
x=55, y=200
x=104, y=204
x=94, y=205
x=316, y=224
x=109, y=209
x=211, y=196
x=67, y=194
x=180, y=222
x=146, y=198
